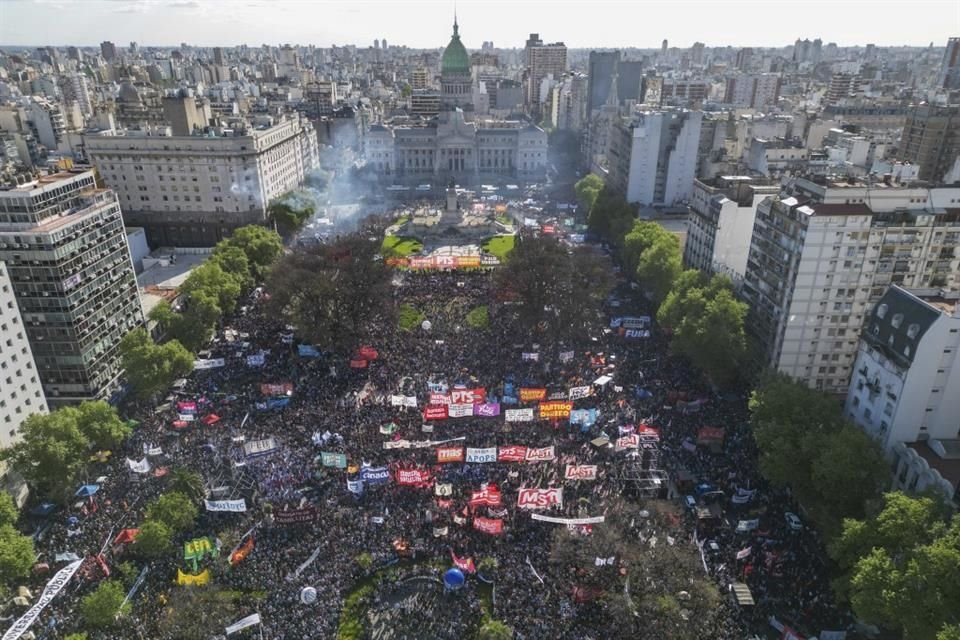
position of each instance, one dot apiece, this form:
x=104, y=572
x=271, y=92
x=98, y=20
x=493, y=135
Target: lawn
x=499, y=246
x=400, y=246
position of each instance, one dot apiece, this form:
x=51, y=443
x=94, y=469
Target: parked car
x=793, y=521
x=691, y=502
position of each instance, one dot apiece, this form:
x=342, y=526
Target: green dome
x=455, y=59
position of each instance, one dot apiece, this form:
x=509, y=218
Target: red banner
x=489, y=497
x=358, y=364
x=468, y=396
x=282, y=389
x=449, y=454
x=412, y=477
x=539, y=498
x=242, y=552
x=647, y=431
x=464, y=564
x=707, y=435
x=628, y=442
x=531, y=395
x=555, y=410
x=492, y=526
x=435, y=412
x=293, y=516
x=511, y=453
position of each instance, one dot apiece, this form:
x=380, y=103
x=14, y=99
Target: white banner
x=138, y=467
x=519, y=415
x=579, y=392
x=152, y=450
x=214, y=363
x=50, y=592
x=460, y=410
x=580, y=472
x=604, y=562
x=443, y=489
x=574, y=521
x=236, y=506
x=403, y=401
x=242, y=624
x=396, y=444
x=542, y=454
x=566, y=356
x=256, y=360
x=259, y=447
x=532, y=356
x=186, y=417
x=482, y=455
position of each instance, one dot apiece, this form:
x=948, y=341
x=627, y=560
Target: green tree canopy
x=292, y=211
x=100, y=608
x=187, y=482
x=903, y=567
x=495, y=630
x=211, y=279
x=51, y=452
x=175, y=510
x=8, y=510
x=16, y=554
x=588, y=190
x=155, y=540
x=261, y=245
x=611, y=217
x=652, y=255
x=805, y=442
x=334, y=293
x=152, y=368
x=234, y=261
x=707, y=324
x=100, y=423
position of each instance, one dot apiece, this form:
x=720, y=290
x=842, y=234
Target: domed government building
x=455, y=145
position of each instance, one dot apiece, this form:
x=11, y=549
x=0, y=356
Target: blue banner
x=375, y=475
x=308, y=351
x=277, y=403
x=584, y=417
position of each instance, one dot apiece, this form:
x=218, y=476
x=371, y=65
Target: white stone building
x=194, y=190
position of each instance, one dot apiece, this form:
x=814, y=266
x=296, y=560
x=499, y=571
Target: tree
x=101, y=608
x=234, y=261
x=187, y=482
x=155, y=540
x=100, y=423
x=652, y=255
x=8, y=510
x=334, y=293
x=76, y=636
x=211, y=279
x=801, y=436
x=152, y=368
x=51, y=452
x=588, y=190
x=16, y=554
x=707, y=324
x=291, y=211
x=261, y=245
x=611, y=216
x=318, y=179
x=905, y=574
x=494, y=630
x=173, y=509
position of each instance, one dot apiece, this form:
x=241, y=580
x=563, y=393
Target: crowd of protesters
x=345, y=406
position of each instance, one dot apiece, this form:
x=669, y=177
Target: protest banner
x=330, y=459
x=54, y=587
x=197, y=580
x=449, y=454
x=486, y=410
x=580, y=472
x=443, y=489
x=213, y=363
x=243, y=623
x=258, y=448
x=143, y=466
x=464, y=564
x=459, y=410
x=511, y=453
x=439, y=398
x=493, y=526
x=580, y=392
x=355, y=486
x=631, y=441
x=280, y=389
x=583, y=417
x=519, y=415
x=235, y=506
x=295, y=516
x=529, y=394
x=487, y=497
x=413, y=477
x=568, y=521
x=566, y=356
x=242, y=552
x=540, y=498
x=488, y=454
x=437, y=411
x=555, y=410
x=468, y=396
x=375, y=475
x=542, y=454
x=531, y=356
x=710, y=435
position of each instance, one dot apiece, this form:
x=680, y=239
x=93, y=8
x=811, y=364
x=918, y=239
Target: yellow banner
x=199, y=580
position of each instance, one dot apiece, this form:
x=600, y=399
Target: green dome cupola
x=455, y=60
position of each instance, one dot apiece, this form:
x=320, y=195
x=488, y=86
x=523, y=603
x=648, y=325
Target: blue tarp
x=87, y=490
x=43, y=509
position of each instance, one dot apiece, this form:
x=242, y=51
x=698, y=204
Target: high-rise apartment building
x=931, y=139
x=20, y=391
x=950, y=66
x=108, y=50
x=218, y=58
x=653, y=156
x=822, y=254
x=75, y=89
x=66, y=253
x=545, y=60
x=842, y=86
x=757, y=91
x=194, y=190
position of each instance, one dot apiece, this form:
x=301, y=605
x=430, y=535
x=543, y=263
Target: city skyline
x=421, y=24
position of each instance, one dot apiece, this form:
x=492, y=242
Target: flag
x=464, y=564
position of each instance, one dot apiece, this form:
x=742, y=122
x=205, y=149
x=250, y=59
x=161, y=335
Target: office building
x=905, y=390
x=756, y=91
x=931, y=139
x=189, y=191
x=66, y=254
x=545, y=60
x=653, y=156
x=677, y=92
x=950, y=66
x=108, y=50
x=76, y=89
x=822, y=254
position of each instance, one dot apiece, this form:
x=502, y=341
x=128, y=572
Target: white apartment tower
x=69, y=265
x=822, y=255
x=194, y=190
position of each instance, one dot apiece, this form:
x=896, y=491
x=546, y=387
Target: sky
x=427, y=23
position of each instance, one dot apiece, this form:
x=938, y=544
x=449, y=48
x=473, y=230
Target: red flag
x=464, y=564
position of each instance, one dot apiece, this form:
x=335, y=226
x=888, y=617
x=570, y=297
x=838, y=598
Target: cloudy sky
x=426, y=23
